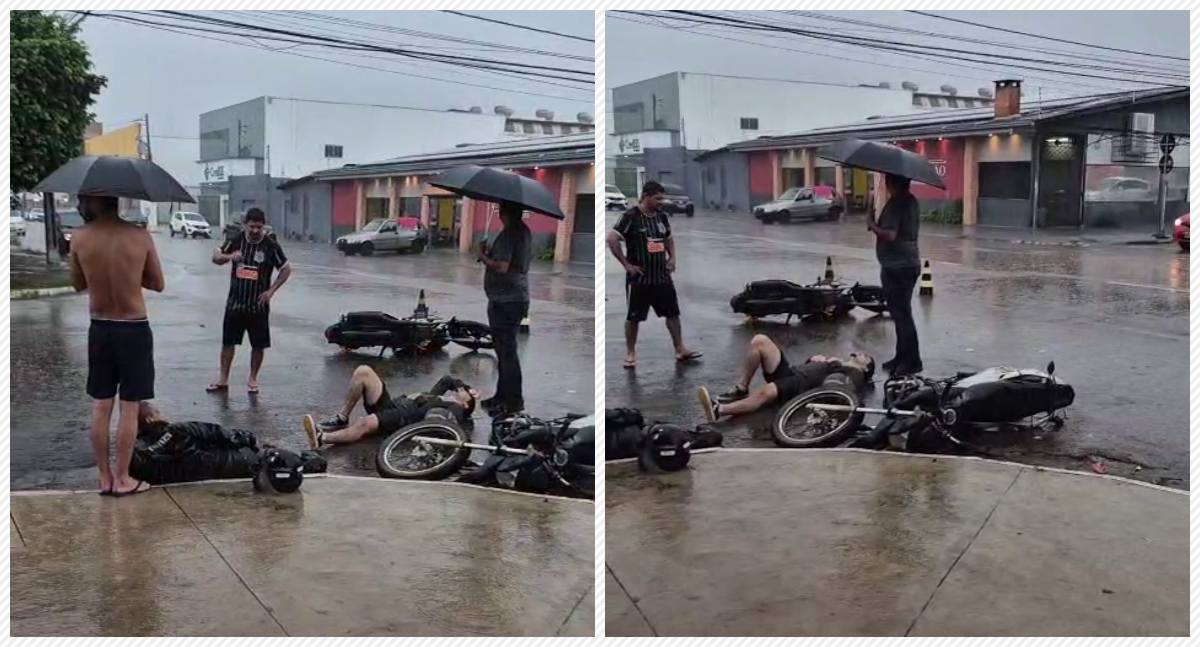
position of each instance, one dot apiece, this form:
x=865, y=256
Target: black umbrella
x=884, y=158
x=118, y=177
x=494, y=185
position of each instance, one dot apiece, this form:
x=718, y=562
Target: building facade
x=397, y=187
x=280, y=138
x=1075, y=162
x=696, y=112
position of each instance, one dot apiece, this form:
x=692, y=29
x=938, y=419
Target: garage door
x=583, y=239
x=1004, y=194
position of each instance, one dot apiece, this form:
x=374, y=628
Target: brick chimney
x=1008, y=98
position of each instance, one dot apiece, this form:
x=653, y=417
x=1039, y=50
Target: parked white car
x=614, y=200
x=1123, y=189
x=189, y=223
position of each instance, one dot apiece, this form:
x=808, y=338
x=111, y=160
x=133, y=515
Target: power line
x=894, y=46
x=526, y=27
x=928, y=34
x=324, y=19
x=469, y=61
x=825, y=54
x=183, y=32
x=1057, y=40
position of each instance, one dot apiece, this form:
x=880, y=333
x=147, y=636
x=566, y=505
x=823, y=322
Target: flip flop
x=216, y=388
x=252, y=390
x=693, y=355
x=630, y=365
x=104, y=492
x=138, y=489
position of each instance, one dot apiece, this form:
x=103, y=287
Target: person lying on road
x=385, y=414
x=180, y=452
x=783, y=381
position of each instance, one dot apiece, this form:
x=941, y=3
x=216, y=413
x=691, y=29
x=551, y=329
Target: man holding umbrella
x=506, y=284
x=114, y=261
x=895, y=234
x=506, y=260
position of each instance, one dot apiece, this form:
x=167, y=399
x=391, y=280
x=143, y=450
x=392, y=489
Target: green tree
x=51, y=89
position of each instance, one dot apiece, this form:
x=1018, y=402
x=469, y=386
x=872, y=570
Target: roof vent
x=950, y=90
x=548, y=115
x=910, y=86
x=476, y=110
x=584, y=117
x=503, y=110
x=986, y=93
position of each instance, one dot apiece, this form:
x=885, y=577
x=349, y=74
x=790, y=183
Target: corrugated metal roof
x=540, y=151
x=964, y=121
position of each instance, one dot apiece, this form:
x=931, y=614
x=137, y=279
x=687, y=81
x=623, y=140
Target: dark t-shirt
x=812, y=374
x=515, y=245
x=646, y=245
x=901, y=214
x=251, y=276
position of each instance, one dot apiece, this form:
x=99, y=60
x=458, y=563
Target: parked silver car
x=386, y=234
x=799, y=202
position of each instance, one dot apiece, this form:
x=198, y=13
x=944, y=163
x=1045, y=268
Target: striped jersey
x=646, y=245
x=251, y=276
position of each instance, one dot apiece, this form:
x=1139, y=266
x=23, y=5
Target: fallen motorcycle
x=827, y=298
x=931, y=415
x=420, y=332
x=525, y=453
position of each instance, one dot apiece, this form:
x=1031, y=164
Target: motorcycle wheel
x=796, y=426
x=401, y=457
x=472, y=334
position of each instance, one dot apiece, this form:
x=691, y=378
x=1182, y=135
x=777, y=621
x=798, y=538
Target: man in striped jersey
x=255, y=258
x=649, y=260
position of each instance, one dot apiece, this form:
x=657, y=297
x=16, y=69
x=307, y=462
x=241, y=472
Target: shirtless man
x=114, y=261
x=783, y=381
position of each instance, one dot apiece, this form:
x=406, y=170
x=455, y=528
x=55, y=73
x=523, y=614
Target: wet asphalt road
x=1113, y=318
x=302, y=373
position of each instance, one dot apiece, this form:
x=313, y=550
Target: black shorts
x=120, y=357
x=642, y=297
x=786, y=381
x=238, y=323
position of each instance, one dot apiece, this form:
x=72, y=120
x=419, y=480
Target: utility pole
x=149, y=152
x=1165, y=165
x=48, y=218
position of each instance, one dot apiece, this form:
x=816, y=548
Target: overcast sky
x=683, y=48
x=175, y=77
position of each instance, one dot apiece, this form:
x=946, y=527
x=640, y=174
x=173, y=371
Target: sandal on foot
x=217, y=388
x=692, y=355
x=138, y=489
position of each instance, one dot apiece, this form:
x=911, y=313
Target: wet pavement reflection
x=302, y=373
x=1114, y=319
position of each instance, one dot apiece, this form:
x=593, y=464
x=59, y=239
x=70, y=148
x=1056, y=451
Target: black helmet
x=666, y=448
x=278, y=470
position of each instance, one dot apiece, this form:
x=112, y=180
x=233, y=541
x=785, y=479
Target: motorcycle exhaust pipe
x=843, y=407
x=457, y=445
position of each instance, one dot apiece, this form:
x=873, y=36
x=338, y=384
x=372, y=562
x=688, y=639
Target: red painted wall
x=762, y=185
x=344, y=199
x=551, y=178
x=947, y=158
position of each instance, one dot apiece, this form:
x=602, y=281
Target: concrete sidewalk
x=344, y=557
x=855, y=543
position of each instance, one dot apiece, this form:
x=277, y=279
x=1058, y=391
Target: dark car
x=68, y=221
x=676, y=200
x=815, y=203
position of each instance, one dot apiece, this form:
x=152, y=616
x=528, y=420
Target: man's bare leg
x=675, y=327
x=764, y=355
x=751, y=403
x=631, y=335
x=362, y=427
x=226, y=363
x=101, y=419
x=256, y=362
x=127, y=425
x=364, y=385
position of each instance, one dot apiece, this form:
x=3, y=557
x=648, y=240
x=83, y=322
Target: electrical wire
x=956, y=37
x=472, y=61
x=526, y=27
x=238, y=43
x=620, y=15
x=895, y=46
x=1055, y=39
